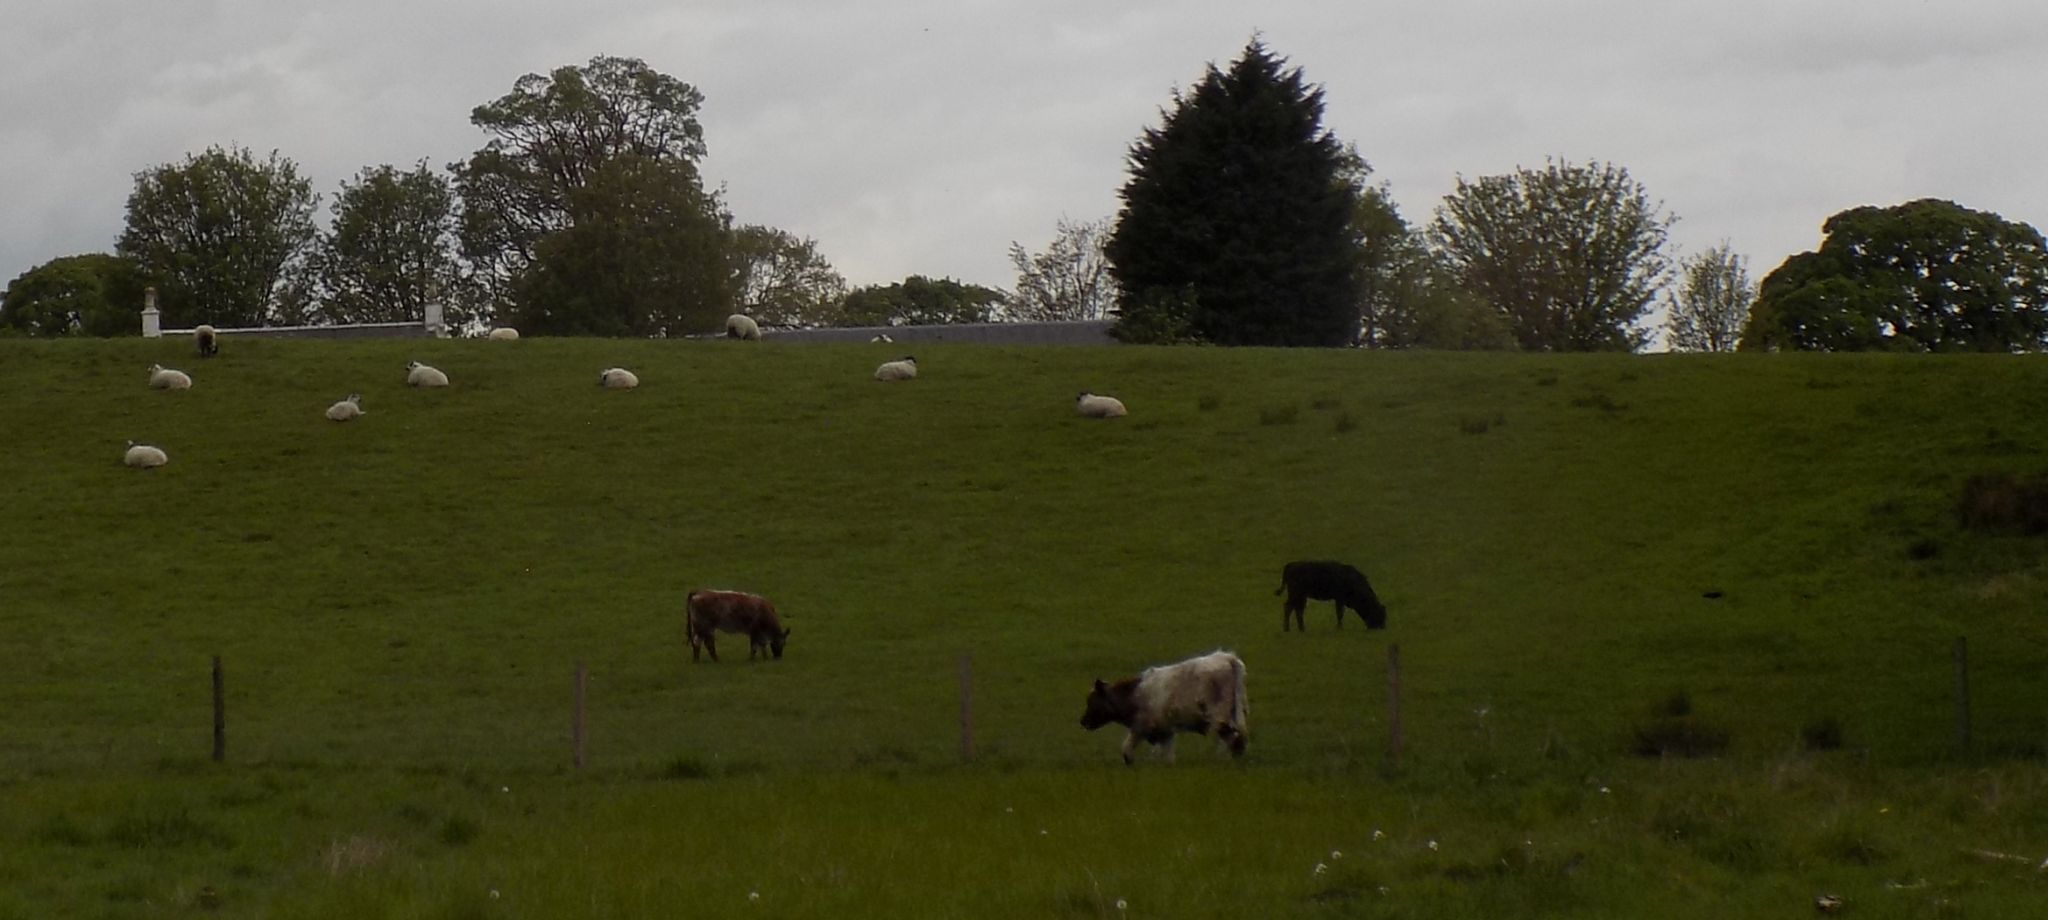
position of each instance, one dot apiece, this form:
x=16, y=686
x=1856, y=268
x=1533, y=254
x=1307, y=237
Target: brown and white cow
x=1201, y=695
x=708, y=613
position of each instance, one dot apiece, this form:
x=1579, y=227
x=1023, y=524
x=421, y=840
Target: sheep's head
x=412, y=365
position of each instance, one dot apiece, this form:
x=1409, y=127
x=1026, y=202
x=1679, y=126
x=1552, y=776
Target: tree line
x=1244, y=221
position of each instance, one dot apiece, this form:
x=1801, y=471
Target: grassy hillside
x=400, y=601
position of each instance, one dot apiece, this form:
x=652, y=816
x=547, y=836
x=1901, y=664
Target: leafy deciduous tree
x=920, y=301
x=220, y=235
x=1712, y=302
x=1571, y=255
x=551, y=136
x=782, y=280
x=644, y=254
x=1069, y=280
x=1927, y=275
x=1236, y=222
x=95, y=294
x=391, y=250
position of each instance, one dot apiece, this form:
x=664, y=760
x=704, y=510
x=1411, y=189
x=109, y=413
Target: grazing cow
x=708, y=613
x=1201, y=695
x=1328, y=581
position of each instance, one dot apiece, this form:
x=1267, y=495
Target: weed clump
x=1209, y=402
x=1822, y=734
x=1996, y=502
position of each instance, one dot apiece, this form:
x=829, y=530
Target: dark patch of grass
x=1209, y=402
x=1923, y=549
x=1822, y=734
x=1676, y=706
x=62, y=831
x=1999, y=502
x=1280, y=415
x=458, y=831
x=1474, y=425
x=1546, y=378
x=1345, y=422
x=1324, y=403
x=1675, y=730
x=1852, y=846
x=1598, y=400
x=166, y=830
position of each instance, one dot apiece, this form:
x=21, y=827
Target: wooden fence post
x=1394, y=739
x=220, y=714
x=576, y=728
x=1962, y=656
x=966, y=708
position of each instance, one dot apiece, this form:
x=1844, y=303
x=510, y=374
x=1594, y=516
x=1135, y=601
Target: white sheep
x=504, y=334
x=164, y=378
x=420, y=375
x=143, y=456
x=347, y=409
x=882, y=337
x=904, y=368
x=1093, y=406
x=207, y=339
x=741, y=326
x=618, y=378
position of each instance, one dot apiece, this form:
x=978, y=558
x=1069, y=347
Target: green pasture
x=400, y=602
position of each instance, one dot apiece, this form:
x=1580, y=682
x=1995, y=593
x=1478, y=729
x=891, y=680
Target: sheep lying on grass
x=143, y=456
x=420, y=375
x=503, y=334
x=164, y=378
x=347, y=409
x=904, y=368
x=618, y=378
x=207, y=339
x=741, y=326
x=1093, y=406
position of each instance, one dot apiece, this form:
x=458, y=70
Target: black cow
x=1325, y=580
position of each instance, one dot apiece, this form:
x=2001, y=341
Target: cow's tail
x=1240, y=704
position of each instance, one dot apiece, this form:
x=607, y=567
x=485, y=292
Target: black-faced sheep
x=904, y=368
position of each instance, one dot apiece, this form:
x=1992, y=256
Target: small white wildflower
x=1041, y=832
x=1432, y=845
x=494, y=894
x=1376, y=835
x=753, y=896
x=1336, y=854
x=1120, y=905
x=1008, y=810
x=1383, y=889
x=1603, y=790
x=504, y=788
x=1320, y=869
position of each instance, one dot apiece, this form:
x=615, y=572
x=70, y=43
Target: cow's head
x=775, y=643
x=1105, y=705
x=1374, y=614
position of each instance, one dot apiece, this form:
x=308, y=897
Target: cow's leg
x=696, y=647
x=1167, y=745
x=1130, y=747
x=711, y=646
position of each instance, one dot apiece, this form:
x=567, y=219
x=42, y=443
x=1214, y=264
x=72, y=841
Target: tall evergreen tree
x=1236, y=224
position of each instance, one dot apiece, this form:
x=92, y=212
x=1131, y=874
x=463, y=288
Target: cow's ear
x=1100, y=686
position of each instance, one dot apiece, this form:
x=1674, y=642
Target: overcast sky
x=924, y=136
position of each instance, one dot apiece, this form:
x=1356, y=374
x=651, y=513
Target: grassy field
x=400, y=602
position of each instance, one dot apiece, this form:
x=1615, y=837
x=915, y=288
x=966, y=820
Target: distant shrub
x=2002, y=502
x=1822, y=734
x=1209, y=402
x=1279, y=415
